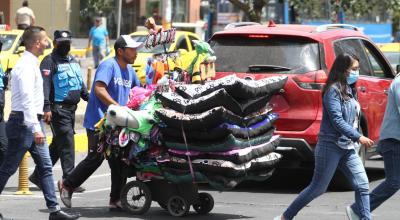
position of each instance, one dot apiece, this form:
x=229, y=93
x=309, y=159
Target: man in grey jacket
x=389, y=148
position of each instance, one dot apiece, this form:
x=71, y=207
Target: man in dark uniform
x=3, y=136
x=63, y=87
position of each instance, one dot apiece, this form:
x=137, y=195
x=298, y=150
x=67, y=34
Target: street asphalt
x=250, y=200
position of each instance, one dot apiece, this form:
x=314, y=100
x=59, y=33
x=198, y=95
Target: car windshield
x=156, y=49
x=265, y=54
x=7, y=40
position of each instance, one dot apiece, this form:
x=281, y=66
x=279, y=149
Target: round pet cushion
x=217, y=98
x=207, y=120
x=235, y=86
x=237, y=156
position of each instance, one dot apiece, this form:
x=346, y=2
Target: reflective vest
x=67, y=78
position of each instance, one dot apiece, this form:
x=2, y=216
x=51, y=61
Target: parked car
x=183, y=43
x=305, y=54
x=392, y=53
x=12, y=48
x=239, y=24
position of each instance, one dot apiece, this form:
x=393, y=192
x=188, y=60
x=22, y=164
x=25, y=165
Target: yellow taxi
x=392, y=53
x=183, y=43
x=12, y=49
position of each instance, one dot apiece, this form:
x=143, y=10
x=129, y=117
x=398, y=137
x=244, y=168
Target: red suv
x=305, y=54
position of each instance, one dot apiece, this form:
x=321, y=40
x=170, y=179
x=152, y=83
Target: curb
x=81, y=143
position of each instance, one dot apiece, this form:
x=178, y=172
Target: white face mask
x=353, y=76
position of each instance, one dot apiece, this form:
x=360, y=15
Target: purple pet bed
x=220, y=132
x=238, y=156
x=229, y=143
x=208, y=119
x=224, y=167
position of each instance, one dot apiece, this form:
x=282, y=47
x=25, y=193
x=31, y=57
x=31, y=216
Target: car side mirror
x=20, y=50
x=183, y=51
x=397, y=68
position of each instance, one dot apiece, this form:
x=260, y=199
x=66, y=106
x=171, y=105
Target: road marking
x=31, y=196
x=93, y=176
x=96, y=190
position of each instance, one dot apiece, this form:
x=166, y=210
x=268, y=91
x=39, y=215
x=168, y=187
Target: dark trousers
x=90, y=164
x=62, y=146
x=118, y=180
x=3, y=136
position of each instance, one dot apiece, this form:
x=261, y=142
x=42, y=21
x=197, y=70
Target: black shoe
x=60, y=215
x=35, y=181
x=79, y=189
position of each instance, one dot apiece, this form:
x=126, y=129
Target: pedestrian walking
x=63, y=87
x=25, y=130
x=113, y=81
x=389, y=148
x=337, y=140
x=24, y=16
x=3, y=136
x=98, y=39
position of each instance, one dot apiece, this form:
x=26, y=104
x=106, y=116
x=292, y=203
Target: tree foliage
x=96, y=7
x=252, y=8
x=314, y=9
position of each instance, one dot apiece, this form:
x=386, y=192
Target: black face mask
x=63, y=49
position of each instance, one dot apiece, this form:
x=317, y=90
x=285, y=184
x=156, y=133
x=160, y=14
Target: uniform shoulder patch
x=45, y=72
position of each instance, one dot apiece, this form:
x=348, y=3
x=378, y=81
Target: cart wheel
x=177, y=206
x=163, y=205
x=205, y=203
x=136, y=198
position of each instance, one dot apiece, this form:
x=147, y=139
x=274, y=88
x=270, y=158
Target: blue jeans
x=21, y=140
x=328, y=157
x=390, y=150
x=98, y=55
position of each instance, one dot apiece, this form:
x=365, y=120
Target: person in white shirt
x=24, y=16
x=24, y=127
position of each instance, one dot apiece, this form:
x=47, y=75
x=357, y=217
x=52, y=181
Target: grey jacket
x=391, y=121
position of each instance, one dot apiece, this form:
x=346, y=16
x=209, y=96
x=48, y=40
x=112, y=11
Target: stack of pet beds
x=220, y=132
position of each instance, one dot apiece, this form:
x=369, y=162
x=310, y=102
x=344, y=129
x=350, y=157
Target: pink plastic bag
x=138, y=95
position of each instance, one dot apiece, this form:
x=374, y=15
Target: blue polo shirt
x=119, y=82
x=98, y=35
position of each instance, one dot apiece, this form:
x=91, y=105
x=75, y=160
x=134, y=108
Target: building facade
x=78, y=15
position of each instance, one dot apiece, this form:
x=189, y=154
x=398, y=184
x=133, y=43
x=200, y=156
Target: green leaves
x=252, y=8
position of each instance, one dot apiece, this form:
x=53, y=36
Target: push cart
x=176, y=198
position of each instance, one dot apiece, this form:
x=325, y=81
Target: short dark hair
x=31, y=35
x=25, y=3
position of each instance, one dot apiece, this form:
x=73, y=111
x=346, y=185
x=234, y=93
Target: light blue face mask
x=353, y=76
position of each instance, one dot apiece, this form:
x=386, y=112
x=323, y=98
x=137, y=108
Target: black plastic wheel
x=136, y=198
x=204, y=204
x=177, y=206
